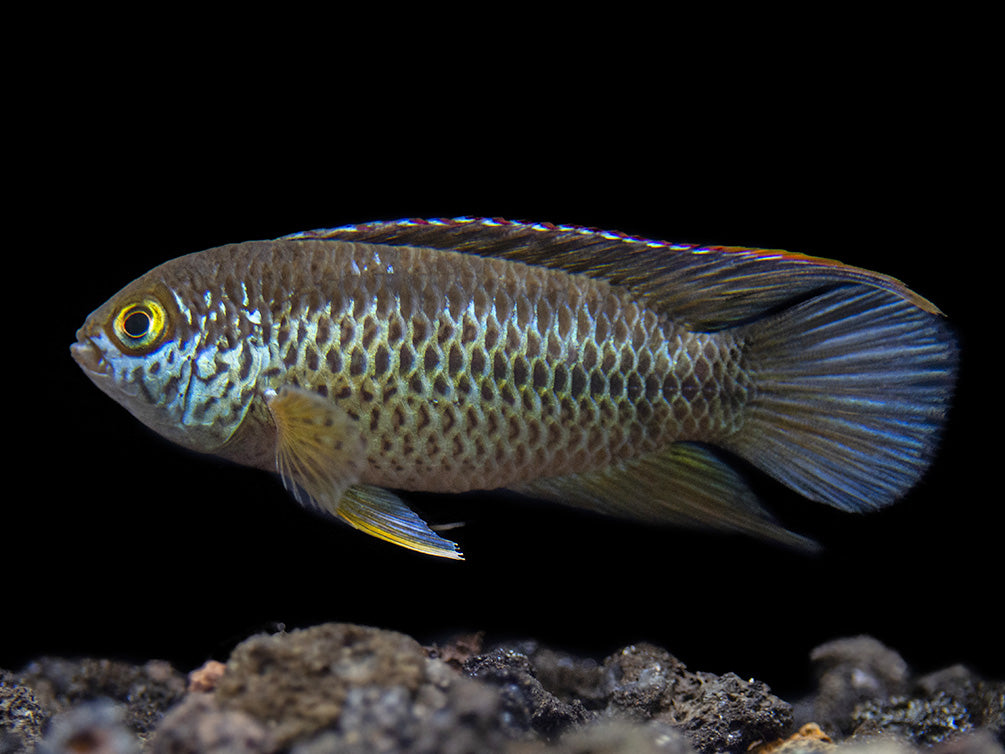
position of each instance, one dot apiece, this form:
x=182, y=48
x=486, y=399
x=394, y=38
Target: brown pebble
x=808, y=738
x=205, y=678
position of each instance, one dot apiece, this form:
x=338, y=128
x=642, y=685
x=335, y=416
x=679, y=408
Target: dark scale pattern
x=468, y=372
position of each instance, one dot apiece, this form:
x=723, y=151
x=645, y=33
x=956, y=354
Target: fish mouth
x=88, y=356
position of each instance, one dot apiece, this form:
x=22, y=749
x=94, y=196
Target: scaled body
x=564, y=363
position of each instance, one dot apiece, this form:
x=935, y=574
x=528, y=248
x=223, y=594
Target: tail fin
x=851, y=393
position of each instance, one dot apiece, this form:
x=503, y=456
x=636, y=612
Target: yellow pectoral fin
x=383, y=515
x=319, y=448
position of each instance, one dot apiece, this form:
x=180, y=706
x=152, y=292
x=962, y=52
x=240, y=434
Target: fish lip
x=88, y=356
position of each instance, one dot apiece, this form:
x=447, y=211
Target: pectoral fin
x=319, y=448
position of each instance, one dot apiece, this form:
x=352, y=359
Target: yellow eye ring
x=140, y=327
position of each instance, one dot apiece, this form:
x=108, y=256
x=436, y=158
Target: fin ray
x=319, y=449
x=382, y=514
x=319, y=455
x=684, y=485
x=703, y=287
x=852, y=390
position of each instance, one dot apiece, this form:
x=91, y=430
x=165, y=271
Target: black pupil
x=137, y=324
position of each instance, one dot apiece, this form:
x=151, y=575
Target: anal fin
x=683, y=485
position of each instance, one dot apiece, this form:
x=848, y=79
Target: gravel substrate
x=341, y=687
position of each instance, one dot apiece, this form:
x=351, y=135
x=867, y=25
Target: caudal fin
x=852, y=391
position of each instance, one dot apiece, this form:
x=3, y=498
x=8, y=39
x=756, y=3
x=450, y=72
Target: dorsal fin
x=702, y=287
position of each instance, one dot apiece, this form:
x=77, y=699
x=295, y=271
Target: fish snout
x=87, y=355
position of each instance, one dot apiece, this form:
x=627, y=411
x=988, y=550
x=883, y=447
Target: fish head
x=172, y=351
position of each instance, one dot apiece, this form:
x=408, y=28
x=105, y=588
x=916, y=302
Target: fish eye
x=139, y=327
x=137, y=323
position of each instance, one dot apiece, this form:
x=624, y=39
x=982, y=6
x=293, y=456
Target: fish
x=623, y=375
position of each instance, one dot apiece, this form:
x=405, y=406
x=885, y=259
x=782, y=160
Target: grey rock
x=358, y=689
x=144, y=692
x=715, y=713
x=984, y=700
x=462, y=719
x=638, y=680
x=297, y=683
x=607, y=736
x=199, y=726
x=850, y=672
x=349, y=688
x=921, y=721
x=569, y=677
x=527, y=705
x=975, y=742
x=944, y=706
x=96, y=726
x=22, y=717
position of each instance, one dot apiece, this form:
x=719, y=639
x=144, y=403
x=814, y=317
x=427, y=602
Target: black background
x=122, y=545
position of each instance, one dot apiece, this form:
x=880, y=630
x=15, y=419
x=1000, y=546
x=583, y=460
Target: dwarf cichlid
x=592, y=368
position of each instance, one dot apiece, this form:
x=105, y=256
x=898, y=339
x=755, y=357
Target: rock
x=638, y=679
x=920, y=721
x=976, y=742
x=199, y=726
x=21, y=715
x=865, y=692
x=205, y=677
x=297, y=683
x=852, y=671
x=612, y=737
x=550, y=693
x=458, y=649
x=715, y=713
x=527, y=705
x=809, y=739
x=352, y=688
x=992, y=713
x=143, y=693
x=984, y=700
x=569, y=677
x=461, y=718
x=941, y=707
x=97, y=726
